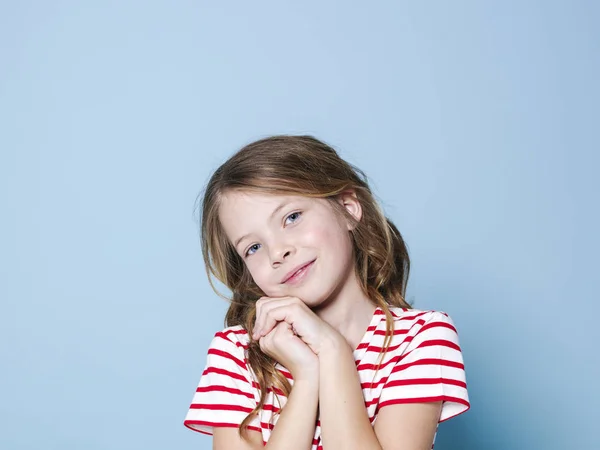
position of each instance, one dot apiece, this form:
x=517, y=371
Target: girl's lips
x=299, y=274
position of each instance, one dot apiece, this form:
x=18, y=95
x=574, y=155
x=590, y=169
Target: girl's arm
x=344, y=420
x=294, y=429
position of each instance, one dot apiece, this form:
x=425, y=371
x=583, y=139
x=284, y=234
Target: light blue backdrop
x=476, y=121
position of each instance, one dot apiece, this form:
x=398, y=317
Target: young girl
x=321, y=349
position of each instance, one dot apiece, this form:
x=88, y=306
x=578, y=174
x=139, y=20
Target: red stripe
x=277, y=391
x=373, y=348
x=223, y=354
x=266, y=425
x=202, y=423
x=243, y=334
x=217, y=388
x=383, y=380
x=286, y=374
x=240, y=331
x=429, y=362
x=443, y=398
x=216, y=370
x=421, y=381
x=224, y=336
x=369, y=366
x=433, y=343
x=440, y=342
x=220, y=407
x=269, y=407
x=399, y=331
x=414, y=316
x=371, y=402
x=419, y=362
x=225, y=333
x=437, y=324
x=425, y=327
x=395, y=332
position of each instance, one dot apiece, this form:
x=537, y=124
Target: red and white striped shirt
x=423, y=363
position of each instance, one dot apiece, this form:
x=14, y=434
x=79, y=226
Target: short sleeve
x=224, y=396
x=430, y=369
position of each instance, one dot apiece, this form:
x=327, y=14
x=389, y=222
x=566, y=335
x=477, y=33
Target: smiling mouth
x=299, y=274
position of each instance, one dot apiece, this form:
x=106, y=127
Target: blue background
x=478, y=123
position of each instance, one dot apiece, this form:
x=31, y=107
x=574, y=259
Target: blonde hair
x=299, y=165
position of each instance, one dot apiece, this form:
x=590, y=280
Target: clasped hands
x=289, y=332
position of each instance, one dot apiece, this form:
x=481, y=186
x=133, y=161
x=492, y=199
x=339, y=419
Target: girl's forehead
x=239, y=199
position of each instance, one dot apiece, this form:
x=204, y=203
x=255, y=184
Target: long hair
x=299, y=165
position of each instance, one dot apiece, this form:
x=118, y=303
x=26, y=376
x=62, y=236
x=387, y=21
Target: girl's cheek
x=258, y=270
x=319, y=235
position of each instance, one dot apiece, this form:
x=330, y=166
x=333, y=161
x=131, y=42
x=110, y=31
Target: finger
x=267, y=304
x=281, y=312
x=266, y=342
x=259, y=314
x=269, y=342
x=263, y=306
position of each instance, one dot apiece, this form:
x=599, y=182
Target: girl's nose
x=278, y=256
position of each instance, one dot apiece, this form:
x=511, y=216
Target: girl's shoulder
x=400, y=313
x=231, y=337
x=412, y=317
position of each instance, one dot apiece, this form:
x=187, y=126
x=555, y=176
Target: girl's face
x=292, y=245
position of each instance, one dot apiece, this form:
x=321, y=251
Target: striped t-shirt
x=423, y=364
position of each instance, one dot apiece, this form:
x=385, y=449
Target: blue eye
x=293, y=217
x=253, y=249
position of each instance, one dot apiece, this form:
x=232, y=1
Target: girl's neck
x=349, y=312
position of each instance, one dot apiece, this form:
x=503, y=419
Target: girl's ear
x=351, y=204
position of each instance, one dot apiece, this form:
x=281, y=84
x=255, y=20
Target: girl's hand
x=304, y=323
x=288, y=350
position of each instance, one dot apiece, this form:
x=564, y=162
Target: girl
x=321, y=349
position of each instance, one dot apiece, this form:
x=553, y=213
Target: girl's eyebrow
x=240, y=240
x=280, y=207
x=275, y=211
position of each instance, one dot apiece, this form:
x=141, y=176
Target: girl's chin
x=313, y=300
x=316, y=303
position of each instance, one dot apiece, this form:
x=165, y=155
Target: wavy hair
x=299, y=165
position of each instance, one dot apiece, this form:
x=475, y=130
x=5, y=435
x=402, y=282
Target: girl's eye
x=253, y=249
x=293, y=217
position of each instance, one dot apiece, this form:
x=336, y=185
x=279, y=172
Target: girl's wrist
x=308, y=379
x=333, y=344
x=307, y=371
